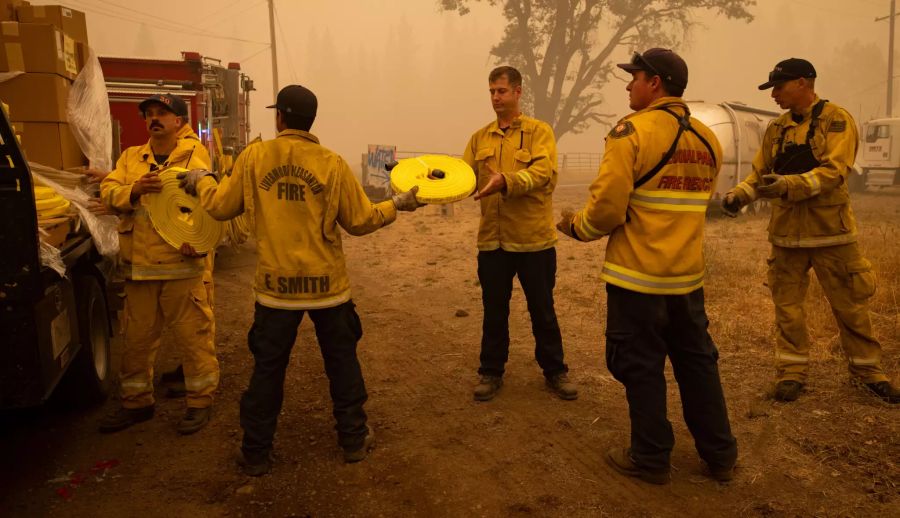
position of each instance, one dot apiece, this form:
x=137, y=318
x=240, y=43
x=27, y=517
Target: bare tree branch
x=563, y=47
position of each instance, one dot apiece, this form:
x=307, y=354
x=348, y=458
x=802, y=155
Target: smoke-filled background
x=413, y=73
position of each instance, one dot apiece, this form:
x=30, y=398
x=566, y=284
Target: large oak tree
x=563, y=47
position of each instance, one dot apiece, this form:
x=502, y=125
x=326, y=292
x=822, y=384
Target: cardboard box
x=36, y=97
x=51, y=144
x=55, y=231
x=69, y=21
x=8, y=10
x=37, y=47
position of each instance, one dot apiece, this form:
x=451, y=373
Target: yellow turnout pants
x=182, y=307
x=848, y=282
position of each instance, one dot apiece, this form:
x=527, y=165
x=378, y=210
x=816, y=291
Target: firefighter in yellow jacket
x=164, y=285
x=296, y=193
x=173, y=380
x=515, y=160
x=802, y=168
x=650, y=197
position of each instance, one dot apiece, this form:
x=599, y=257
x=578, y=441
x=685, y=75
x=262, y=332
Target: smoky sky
x=400, y=72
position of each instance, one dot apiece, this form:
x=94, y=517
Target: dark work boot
x=488, y=387
x=620, y=460
x=788, y=390
x=357, y=455
x=254, y=467
x=720, y=474
x=194, y=420
x=560, y=385
x=121, y=418
x=885, y=391
x=173, y=380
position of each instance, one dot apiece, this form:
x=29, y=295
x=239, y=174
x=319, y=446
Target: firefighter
x=297, y=192
x=514, y=158
x=650, y=198
x=173, y=380
x=802, y=169
x=163, y=285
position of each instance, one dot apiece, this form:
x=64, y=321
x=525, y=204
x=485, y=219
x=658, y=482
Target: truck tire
x=89, y=378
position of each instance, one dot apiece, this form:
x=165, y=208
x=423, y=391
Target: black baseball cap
x=296, y=100
x=173, y=103
x=664, y=63
x=787, y=70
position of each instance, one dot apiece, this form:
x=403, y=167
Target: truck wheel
x=89, y=378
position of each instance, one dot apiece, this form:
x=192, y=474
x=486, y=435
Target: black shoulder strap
x=684, y=123
x=814, y=123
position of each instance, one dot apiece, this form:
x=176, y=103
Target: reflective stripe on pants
x=848, y=282
x=182, y=307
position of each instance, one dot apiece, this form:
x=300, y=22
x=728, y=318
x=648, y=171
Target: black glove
x=731, y=205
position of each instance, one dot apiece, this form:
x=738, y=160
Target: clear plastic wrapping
x=88, y=113
x=103, y=229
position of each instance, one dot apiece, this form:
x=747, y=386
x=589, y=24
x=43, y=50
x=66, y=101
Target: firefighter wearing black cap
x=296, y=193
x=163, y=285
x=802, y=169
x=650, y=197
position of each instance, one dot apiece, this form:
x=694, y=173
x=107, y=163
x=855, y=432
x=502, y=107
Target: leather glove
x=565, y=224
x=731, y=205
x=190, y=179
x=406, y=201
x=774, y=186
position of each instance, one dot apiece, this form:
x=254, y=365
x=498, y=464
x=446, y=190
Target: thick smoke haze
x=401, y=72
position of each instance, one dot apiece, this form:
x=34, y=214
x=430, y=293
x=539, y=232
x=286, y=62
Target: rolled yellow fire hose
x=44, y=193
x=179, y=218
x=49, y=203
x=441, y=179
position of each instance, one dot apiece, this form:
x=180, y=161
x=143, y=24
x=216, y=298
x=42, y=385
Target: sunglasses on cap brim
x=639, y=61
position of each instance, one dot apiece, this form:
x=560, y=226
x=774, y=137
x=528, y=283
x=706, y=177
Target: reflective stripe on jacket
x=143, y=253
x=815, y=211
x=656, y=230
x=520, y=220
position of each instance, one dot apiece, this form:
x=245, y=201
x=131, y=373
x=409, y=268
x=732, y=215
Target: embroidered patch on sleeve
x=837, y=126
x=622, y=130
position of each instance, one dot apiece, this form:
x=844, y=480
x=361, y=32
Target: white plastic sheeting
x=103, y=229
x=89, y=118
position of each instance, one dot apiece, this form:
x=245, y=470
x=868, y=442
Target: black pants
x=271, y=339
x=537, y=275
x=641, y=330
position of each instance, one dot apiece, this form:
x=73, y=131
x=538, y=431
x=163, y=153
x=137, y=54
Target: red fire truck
x=218, y=99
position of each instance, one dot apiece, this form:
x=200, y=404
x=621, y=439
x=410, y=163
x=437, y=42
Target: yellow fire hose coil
x=57, y=209
x=179, y=218
x=44, y=193
x=49, y=203
x=441, y=178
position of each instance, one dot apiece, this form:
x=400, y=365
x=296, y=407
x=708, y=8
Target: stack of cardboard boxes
x=49, y=44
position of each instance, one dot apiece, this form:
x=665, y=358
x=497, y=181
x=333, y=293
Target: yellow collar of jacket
x=298, y=133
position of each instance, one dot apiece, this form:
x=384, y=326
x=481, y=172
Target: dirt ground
x=834, y=452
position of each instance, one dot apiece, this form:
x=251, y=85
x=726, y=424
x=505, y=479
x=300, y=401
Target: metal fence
x=574, y=164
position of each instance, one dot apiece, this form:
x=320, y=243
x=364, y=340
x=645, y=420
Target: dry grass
x=837, y=430
x=837, y=442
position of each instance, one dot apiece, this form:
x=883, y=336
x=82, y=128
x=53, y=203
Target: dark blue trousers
x=537, y=275
x=641, y=331
x=271, y=339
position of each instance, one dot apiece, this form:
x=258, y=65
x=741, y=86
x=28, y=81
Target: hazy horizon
x=403, y=73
